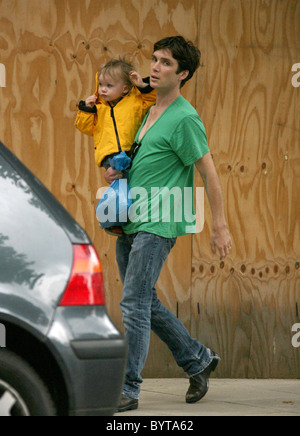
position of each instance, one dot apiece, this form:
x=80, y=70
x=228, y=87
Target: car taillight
x=85, y=286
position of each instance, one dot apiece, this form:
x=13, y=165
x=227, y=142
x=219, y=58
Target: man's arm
x=220, y=237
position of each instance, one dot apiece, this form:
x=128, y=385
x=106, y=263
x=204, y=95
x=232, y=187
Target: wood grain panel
x=245, y=307
x=247, y=303
x=245, y=313
x=51, y=51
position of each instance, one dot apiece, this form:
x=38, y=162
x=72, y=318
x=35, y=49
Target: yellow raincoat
x=114, y=127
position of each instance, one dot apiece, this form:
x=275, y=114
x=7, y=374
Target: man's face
x=163, y=71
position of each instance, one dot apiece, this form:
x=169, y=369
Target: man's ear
x=183, y=75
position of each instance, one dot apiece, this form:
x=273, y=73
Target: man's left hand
x=221, y=240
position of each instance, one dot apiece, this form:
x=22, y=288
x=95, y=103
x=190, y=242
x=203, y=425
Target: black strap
x=115, y=126
x=133, y=150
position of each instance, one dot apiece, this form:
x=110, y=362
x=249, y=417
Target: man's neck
x=164, y=99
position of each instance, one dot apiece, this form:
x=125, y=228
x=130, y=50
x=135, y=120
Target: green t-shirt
x=161, y=178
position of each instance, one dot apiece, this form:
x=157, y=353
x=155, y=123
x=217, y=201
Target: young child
x=114, y=113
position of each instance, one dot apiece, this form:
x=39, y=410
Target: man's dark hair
x=185, y=52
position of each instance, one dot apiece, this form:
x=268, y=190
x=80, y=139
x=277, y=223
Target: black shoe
x=199, y=383
x=127, y=403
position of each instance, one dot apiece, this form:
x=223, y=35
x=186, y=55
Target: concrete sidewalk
x=239, y=397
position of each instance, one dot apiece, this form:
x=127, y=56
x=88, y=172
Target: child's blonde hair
x=118, y=68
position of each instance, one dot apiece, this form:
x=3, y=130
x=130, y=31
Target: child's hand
x=136, y=79
x=91, y=101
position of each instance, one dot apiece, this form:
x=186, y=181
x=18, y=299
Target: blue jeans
x=140, y=258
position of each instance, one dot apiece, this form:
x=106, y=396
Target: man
x=173, y=141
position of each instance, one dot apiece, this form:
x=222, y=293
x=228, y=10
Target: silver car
x=60, y=353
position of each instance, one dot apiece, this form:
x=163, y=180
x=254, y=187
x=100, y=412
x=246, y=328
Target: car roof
x=74, y=231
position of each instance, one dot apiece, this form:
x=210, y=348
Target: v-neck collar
x=158, y=119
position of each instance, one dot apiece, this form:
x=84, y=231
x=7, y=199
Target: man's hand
x=220, y=239
x=91, y=100
x=110, y=175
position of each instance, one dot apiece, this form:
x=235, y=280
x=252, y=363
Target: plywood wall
x=244, y=307
x=248, y=303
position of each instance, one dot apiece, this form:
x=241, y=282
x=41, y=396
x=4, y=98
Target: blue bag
x=120, y=162
x=112, y=209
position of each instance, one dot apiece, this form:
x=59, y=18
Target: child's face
x=111, y=88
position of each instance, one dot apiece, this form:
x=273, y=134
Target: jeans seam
x=175, y=333
x=155, y=244
x=178, y=337
x=140, y=299
x=182, y=341
x=165, y=245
